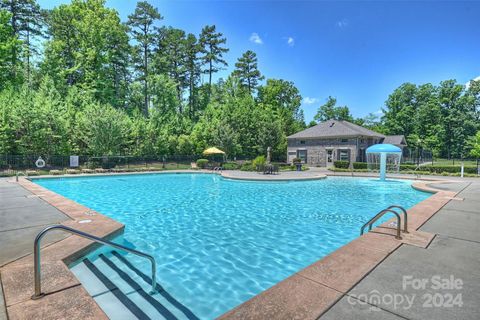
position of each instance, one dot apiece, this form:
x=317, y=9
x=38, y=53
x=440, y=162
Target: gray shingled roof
x=336, y=128
x=397, y=139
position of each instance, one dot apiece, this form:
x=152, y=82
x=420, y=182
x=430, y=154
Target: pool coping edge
x=337, y=273
x=301, y=284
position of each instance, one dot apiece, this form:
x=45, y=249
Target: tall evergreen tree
x=9, y=46
x=171, y=58
x=212, y=49
x=142, y=28
x=193, y=70
x=246, y=70
x=27, y=23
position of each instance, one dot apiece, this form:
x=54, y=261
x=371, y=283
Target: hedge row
x=411, y=167
x=341, y=164
x=439, y=169
x=359, y=165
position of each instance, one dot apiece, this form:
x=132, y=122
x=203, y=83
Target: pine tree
x=212, y=51
x=171, y=58
x=142, y=28
x=28, y=22
x=9, y=46
x=246, y=70
x=192, y=64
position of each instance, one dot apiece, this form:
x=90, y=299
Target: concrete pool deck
x=22, y=216
x=281, y=176
x=322, y=289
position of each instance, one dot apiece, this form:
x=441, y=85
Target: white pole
x=461, y=171
x=383, y=165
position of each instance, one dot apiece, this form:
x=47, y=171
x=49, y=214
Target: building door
x=329, y=158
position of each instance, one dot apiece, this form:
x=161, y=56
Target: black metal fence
x=416, y=156
x=35, y=162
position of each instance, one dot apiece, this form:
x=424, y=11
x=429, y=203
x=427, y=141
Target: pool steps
x=123, y=291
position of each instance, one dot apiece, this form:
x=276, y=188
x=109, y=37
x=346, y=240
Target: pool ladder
x=20, y=173
x=36, y=255
x=385, y=211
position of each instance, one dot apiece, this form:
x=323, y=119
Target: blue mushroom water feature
x=379, y=156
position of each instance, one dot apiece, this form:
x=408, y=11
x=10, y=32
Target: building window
x=362, y=140
x=344, y=156
x=344, y=140
x=302, y=154
x=302, y=141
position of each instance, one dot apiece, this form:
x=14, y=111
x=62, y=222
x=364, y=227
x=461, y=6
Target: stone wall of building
x=317, y=149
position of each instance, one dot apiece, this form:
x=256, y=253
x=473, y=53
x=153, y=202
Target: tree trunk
x=210, y=75
x=145, y=84
x=14, y=32
x=28, y=57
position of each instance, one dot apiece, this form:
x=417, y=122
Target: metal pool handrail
x=378, y=216
x=18, y=173
x=405, y=218
x=36, y=252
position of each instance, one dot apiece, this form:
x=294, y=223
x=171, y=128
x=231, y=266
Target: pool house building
x=333, y=140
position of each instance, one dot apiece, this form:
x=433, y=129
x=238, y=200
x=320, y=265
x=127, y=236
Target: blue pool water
x=219, y=242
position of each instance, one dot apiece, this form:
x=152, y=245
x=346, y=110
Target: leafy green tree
x=104, y=130
x=38, y=120
x=284, y=99
x=212, y=50
x=226, y=139
x=400, y=110
x=474, y=144
x=164, y=94
x=87, y=48
x=371, y=121
x=329, y=111
x=141, y=24
x=28, y=22
x=246, y=70
x=459, y=119
x=10, y=46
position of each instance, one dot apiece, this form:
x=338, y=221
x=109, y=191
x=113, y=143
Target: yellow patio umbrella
x=211, y=151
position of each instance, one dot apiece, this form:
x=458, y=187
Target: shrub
x=360, y=165
x=439, y=169
x=248, y=166
x=259, y=161
x=407, y=167
x=293, y=168
x=230, y=166
x=341, y=164
x=296, y=160
x=202, y=163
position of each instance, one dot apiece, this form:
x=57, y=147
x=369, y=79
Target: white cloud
x=255, y=38
x=342, y=23
x=378, y=112
x=467, y=85
x=309, y=100
x=290, y=41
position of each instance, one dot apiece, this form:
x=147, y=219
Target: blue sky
x=358, y=52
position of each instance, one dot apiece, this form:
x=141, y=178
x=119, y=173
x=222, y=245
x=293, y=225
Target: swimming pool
x=219, y=242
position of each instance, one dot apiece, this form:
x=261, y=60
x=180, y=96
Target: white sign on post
x=73, y=161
